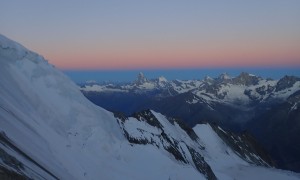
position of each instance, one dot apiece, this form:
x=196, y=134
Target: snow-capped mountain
x=204, y=147
x=245, y=88
x=243, y=103
x=235, y=99
x=49, y=130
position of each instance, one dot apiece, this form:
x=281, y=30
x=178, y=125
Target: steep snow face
x=47, y=124
x=45, y=114
x=219, y=154
x=153, y=129
x=29, y=83
x=226, y=164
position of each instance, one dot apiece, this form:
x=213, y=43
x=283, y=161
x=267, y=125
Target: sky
x=121, y=76
x=156, y=34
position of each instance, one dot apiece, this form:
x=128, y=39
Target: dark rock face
x=10, y=161
x=141, y=79
x=7, y=174
x=246, y=79
x=184, y=127
x=278, y=129
x=148, y=117
x=18, y=167
x=201, y=165
x=286, y=82
x=245, y=146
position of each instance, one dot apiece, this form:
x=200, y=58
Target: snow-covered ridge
x=244, y=89
x=48, y=119
x=49, y=130
x=208, y=149
x=151, y=128
x=15, y=51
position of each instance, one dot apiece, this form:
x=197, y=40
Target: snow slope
x=227, y=165
x=45, y=115
x=54, y=132
x=150, y=128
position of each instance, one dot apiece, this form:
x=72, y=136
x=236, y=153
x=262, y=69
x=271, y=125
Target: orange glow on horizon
x=170, y=53
x=175, y=59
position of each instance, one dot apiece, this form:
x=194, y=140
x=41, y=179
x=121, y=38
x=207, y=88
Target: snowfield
x=44, y=115
x=227, y=165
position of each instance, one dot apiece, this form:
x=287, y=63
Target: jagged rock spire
x=141, y=79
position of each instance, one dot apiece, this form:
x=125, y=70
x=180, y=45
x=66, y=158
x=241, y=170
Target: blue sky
x=171, y=74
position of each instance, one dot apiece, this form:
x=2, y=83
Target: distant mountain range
x=266, y=108
x=49, y=130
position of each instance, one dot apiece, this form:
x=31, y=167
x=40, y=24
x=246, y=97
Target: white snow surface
x=48, y=118
x=227, y=165
x=234, y=93
x=147, y=85
x=143, y=131
x=101, y=88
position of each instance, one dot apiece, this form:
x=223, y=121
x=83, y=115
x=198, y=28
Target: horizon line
x=181, y=68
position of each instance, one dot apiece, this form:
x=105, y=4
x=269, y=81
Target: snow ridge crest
x=13, y=51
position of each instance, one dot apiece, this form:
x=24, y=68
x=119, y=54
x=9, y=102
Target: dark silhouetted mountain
x=278, y=128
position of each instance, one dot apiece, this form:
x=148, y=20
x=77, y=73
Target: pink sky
x=157, y=34
x=214, y=54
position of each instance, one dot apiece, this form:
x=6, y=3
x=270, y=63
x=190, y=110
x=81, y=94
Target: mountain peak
x=286, y=82
x=141, y=79
x=208, y=78
x=224, y=76
x=247, y=79
x=244, y=74
x=162, y=79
